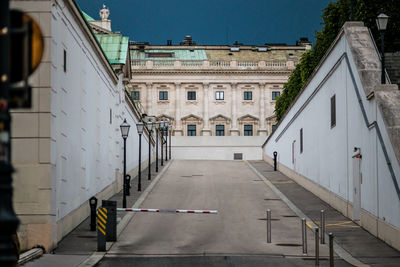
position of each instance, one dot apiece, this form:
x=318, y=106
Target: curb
x=341, y=252
x=94, y=259
x=30, y=255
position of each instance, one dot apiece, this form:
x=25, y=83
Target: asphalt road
x=236, y=234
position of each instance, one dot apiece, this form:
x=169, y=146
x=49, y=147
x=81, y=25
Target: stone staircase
x=393, y=67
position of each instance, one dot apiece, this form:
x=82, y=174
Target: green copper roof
x=115, y=46
x=87, y=17
x=177, y=54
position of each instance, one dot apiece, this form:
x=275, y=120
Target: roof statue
x=104, y=13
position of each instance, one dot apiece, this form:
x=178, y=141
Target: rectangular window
x=110, y=116
x=248, y=95
x=333, y=111
x=219, y=95
x=191, y=130
x=248, y=130
x=301, y=140
x=135, y=95
x=191, y=95
x=275, y=95
x=163, y=95
x=65, y=61
x=273, y=127
x=220, y=130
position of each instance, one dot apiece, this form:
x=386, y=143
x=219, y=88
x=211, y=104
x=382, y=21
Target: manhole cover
x=288, y=245
x=272, y=199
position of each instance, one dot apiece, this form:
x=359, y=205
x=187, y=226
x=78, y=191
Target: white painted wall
x=327, y=156
x=86, y=143
x=217, y=147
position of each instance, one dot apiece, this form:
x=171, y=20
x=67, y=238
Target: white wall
x=217, y=147
x=86, y=147
x=327, y=156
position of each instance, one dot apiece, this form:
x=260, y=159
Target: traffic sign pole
x=8, y=220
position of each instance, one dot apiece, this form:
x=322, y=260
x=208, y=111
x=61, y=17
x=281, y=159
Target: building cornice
x=210, y=72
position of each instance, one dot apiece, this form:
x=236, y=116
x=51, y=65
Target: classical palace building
x=212, y=89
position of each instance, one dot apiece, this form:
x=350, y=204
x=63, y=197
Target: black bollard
x=93, y=206
x=275, y=156
x=128, y=185
x=111, y=226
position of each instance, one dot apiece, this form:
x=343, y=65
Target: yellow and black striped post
x=101, y=229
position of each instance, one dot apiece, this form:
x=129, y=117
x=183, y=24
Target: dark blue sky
x=212, y=21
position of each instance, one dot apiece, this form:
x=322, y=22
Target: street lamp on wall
x=381, y=22
x=124, y=132
x=149, y=126
x=139, y=127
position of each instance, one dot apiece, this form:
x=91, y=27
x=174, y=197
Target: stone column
x=178, y=123
x=262, y=130
x=206, y=128
x=234, y=130
x=149, y=89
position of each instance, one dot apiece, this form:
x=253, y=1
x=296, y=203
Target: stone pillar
x=234, y=130
x=262, y=130
x=149, y=90
x=206, y=128
x=178, y=123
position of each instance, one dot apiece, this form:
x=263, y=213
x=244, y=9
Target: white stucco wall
x=217, y=147
x=327, y=156
x=87, y=108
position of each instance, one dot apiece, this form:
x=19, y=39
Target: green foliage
x=334, y=16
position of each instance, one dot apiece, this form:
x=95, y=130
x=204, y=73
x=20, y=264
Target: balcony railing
x=212, y=64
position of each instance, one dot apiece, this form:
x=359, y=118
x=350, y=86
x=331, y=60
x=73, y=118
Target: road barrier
x=101, y=228
x=111, y=226
x=169, y=211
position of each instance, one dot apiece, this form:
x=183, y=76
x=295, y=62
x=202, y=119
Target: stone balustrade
x=212, y=64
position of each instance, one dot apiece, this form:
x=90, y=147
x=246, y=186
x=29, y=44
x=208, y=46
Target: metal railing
x=205, y=64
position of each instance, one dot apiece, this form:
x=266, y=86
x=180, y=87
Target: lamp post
x=139, y=127
x=149, y=126
x=170, y=134
x=166, y=139
x=162, y=123
x=157, y=125
x=124, y=132
x=381, y=22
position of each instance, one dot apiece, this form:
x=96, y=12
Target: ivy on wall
x=334, y=16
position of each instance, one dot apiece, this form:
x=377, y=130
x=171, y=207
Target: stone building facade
x=210, y=89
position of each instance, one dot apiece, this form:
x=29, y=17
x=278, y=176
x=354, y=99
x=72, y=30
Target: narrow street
x=236, y=235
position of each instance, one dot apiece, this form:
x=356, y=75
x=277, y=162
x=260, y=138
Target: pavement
x=350, y=236
x=236, y=236
x=80, y=243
